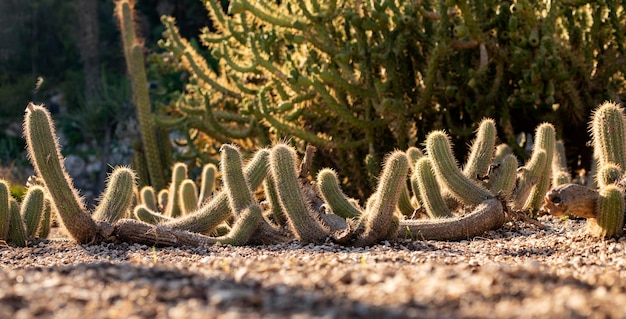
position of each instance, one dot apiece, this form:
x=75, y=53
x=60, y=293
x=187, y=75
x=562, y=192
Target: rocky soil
x=518, y=271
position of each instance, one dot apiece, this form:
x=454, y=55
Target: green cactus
x=482, y=151
x=46, y=219
x=609, y=173
x=5, y=210
x=32, y=209
x=133, y=52
x=609, y=220
x=187, y=197
x=45, y=155
x=179, y=174
x=235, y=185
x=502, y=181
x=429, y=189
x=545, y=138
x=212, y=213
x=338, y=203
x=378, y=218
x=117, y=198
x=148, y=197
x=269, y=187
x=302, y=220
x=528, y=176
x=608, y=136
x=447, y=171
x=207, y=183
x=17, y=233
x=144, y=213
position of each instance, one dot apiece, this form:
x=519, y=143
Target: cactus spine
x=334, y=197
x=609, y=220
x=44, y=153
x=302, y=222
x=32, y=209
x=447, y=171
x=429, y=189
x=118, y=196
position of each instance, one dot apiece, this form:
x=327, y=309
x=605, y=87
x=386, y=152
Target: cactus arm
x=486, y=216
x=429, y=189
x=187, y=197
x=179, y=174
x=145, y=214
x=482, y=150
x=447, y=171
x=32, y=209
x=17, y=233
x=46, y=219
x=608, y=134
x=269, y=187
x=334, y=197
x=5, y=210
x=45, y=155
x=148, y=197
x=118, y=196
x=503, y=180
x=207, y=184
x=545, y=139
x=302, y=222
x=609, y=220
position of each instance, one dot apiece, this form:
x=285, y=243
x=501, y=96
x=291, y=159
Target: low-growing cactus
x=117, y=198
x=609, y=220
x=32, y=209
x=429, y=189
x=5, y=210
x=17, y=233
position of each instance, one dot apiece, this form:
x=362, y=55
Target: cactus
x=17, y=233
x=46, y=219
x=303, y=223
x=133, y=52
x=45, y=155
x=528, y=176
x=609, y=219
x=608, y=135
x=144, y=213
x=333, y=196
x=502, y=181
x=609, y=173
x=117, y=197
x=5, y=210
x=179, y=174
x=447, y=171
x=207, y=186
x=187, y=197
x=269, y=187
x=429, y=189
x=32, y=209
x=147, y=197
x=545, y=140
x=482, y=151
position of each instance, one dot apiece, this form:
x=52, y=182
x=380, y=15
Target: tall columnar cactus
x=608, y=135
x=5, y=210
x=117, y=198
x=482, y=151
x=302, y=220
x=133, y=52
x=32, y=209
x=44, y=153
x=447, y=171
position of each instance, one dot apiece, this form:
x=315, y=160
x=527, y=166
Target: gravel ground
x=518, y=271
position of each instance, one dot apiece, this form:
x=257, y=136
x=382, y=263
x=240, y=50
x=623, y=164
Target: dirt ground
x=518, y=271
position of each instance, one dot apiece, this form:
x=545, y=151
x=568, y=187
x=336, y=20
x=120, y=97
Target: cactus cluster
x=21, y=222
x=360, y=78
x=603, y=207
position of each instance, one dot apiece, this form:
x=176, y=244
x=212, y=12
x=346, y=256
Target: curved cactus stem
x=482, y=151
x=235, y=184
x=502, y=178
x=44, y=153
x=609, y=173
x=243, y=229
x=447, y=171
x=379, y=215
x=305, y=226
x=17, y=233
x=429, y=189
x=131, y=230
x=545, y=138
x=145, y=214
x=609, y=220
x=118, y=196
x=527, y=177
x=486, y=216
x=179, y=174
x=334, y=197
x=216, y=210
x=46, y=219
x=32, y=209
x=269, y=187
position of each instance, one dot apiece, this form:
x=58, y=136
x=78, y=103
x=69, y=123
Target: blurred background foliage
x=447, y=64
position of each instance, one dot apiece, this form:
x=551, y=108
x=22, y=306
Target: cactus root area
x=516, y=271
